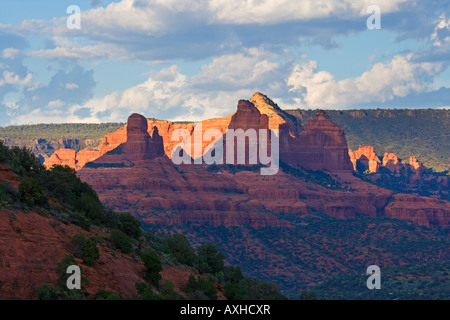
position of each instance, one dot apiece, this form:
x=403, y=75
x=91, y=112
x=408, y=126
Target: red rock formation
x=276, y=115
x=416, y=165
x=63, y=157
x=320, y=145
x=366, y=158
x=246, y=117
x=422, y=210
x=139, y=144
x=77, y=160
x=391, y=161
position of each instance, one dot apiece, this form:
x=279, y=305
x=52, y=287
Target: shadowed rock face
x=246, y=117
x=139, y=145
x=320, y=145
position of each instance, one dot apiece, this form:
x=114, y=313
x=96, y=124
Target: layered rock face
x=422, y=210
x=320, y=145
x=221, y=200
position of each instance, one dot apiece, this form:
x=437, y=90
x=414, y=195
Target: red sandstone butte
x=320, y=145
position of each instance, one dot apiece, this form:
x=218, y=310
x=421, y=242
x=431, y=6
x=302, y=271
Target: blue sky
x=194, y=59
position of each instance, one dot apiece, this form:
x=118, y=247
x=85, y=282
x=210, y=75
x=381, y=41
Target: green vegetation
x=61, y=196
x=85, y=249
x=309, y=243
x=38, y=186
x=428, y=185
x=210, y=259
x=179, y=247
x=233, y=168
x=60, y=290
x=121, y=241
x=237, y=287
x=107, y=295
x=200, y=286
x=52, y=131
x=308, y=295
x=423, y=133
x=405, y=282
x=130, y=225
x=153, y=266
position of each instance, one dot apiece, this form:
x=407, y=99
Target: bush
x=167, y=291
x=308, y=295
x=236, y=291
x=153, y=266
x=31, y=192
x=61, y=283
x=107, y=295
x=92, y=208
x=121, y=241
x=130, y=225
x=8, y=194
x=146, y=293
x=85, y=249
x=178, y=246
x=47, y=292
x=210, y=260
x=200, y=285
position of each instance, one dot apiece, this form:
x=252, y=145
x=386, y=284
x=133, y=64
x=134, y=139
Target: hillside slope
x=50, y=220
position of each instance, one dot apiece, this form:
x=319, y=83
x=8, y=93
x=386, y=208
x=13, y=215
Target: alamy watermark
x=190, y=149
x=73, y=281
x=74, y=20
x=374, y=20
x=374, y=280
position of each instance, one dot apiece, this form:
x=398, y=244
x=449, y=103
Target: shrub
x=167, y=291
x=178, y=246
x=308, y=295
x=145, y=292
x=85, y=249
x=90, y=205
x=200, y=285
x=47, y=292
x=107, y=295
x=61, y=283
x=130, y=225
x=121, y=241
x=152, y=265
x=82, y=221
x=31, y=192
x=210, y=260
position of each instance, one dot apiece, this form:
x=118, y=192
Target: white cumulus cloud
x=383, y=82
